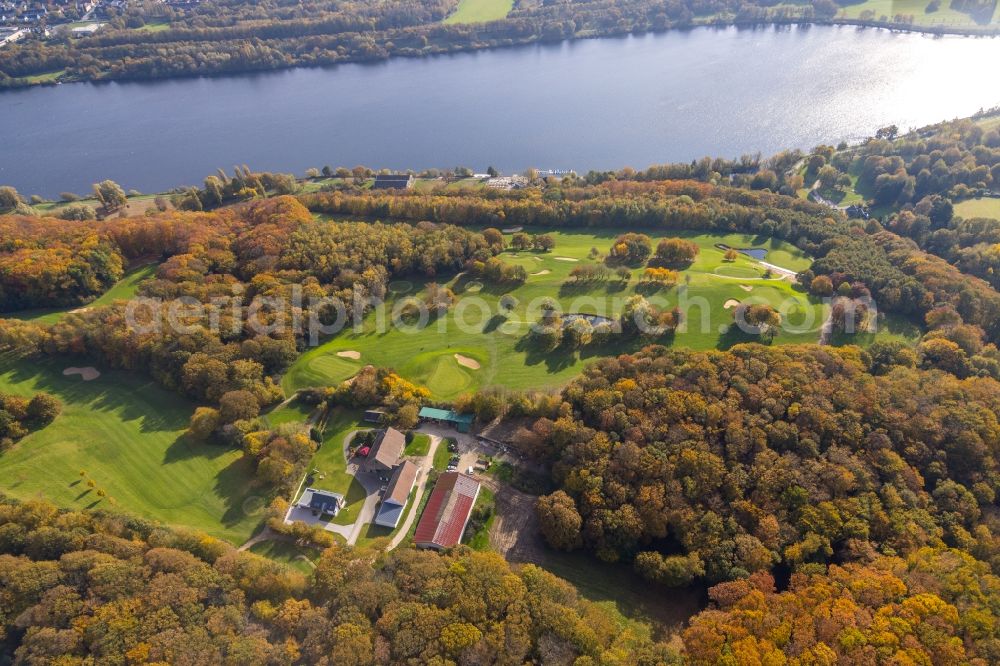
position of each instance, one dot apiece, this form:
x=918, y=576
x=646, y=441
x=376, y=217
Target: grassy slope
x=427, y=355
x=128, y=435
x=480, y=11
x=124, y=289
x=985, y=207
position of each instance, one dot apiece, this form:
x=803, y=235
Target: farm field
x=438, y=355
x=124, y=289
x=984, y=207
x=480, y=11
x=128, y=436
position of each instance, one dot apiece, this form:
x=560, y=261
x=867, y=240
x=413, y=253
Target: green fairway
x=480, y=11
x=122, y=290
x=439, y=354
x=985, y=207
x=128, y=436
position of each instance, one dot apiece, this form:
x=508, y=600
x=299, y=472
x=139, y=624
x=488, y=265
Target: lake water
x=598, y=104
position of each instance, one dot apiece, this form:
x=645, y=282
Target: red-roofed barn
x=447, y=512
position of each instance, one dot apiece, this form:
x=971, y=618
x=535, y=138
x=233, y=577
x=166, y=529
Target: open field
x=948, y=13
x=287, y=553
x=890, y=328
x=128, y=436
x=985, y=207
x=480, y=11
x=474, y=327
x=124, y=289
x=619, y=590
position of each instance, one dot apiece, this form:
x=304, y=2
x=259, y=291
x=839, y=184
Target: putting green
x=442, y=374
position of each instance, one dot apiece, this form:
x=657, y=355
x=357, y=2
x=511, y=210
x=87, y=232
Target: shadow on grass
x=235, y=485
x=131, y=396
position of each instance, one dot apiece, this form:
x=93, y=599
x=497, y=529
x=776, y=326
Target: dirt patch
x=565, y=259
x=542, y=272
x=731, y=303
x=349, y=354
x=467, y=362
x=87, y=374
x=746, y=287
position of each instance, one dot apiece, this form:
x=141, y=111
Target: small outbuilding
x=461, y=422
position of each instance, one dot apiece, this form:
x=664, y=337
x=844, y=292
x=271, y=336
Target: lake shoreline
x=988, y=31
x=574, y=105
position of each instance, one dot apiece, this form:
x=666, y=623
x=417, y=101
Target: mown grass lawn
x=419, y=446
x=127, y=434
x=480, y=11
x=331, y=466
x=295, y=411
x=474, y=327
x=122, y=290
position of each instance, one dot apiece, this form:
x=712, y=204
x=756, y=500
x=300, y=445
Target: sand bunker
x=746, y=287
x=542, y=272
x=81, y=310
x=87, y=374
x=349, y=354
x=565, y=259
x=731, y=303
x=467, y=362
x=536, y=258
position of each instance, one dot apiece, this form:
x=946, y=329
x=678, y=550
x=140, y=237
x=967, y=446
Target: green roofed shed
x=461, y=422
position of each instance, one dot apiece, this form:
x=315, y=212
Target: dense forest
x=227, y=36
x=721, y=466
x=98, y=588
